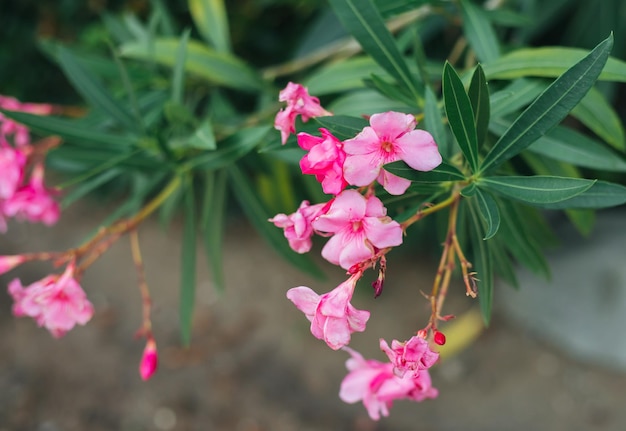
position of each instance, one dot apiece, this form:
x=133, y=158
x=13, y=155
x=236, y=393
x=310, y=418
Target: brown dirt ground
x=253, y=364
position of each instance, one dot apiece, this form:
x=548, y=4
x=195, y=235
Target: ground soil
x=253, y=365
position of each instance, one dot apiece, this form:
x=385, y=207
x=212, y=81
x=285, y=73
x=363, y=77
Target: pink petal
x=394, y=184
x=357, y=319
x=336, y=332
x=355, y=386
x=366, y=142
x=361, y=170
x=304, y=298
x=382, y=234
x=390, y=125
x=347, y=207
x=419, y=150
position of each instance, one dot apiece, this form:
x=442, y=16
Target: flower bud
x=149, y=360
x=7, y=263
x=439, y=338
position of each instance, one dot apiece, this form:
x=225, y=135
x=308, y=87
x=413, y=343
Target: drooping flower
x=12, y=163
x=413, y=355
x=375, y=384
x=34, y=201
x=56, y=302
x=149, y=360
x=297, y=226
x=391, y=136
x=299, y=102
x=360, y=227
x=333, y=318
x=324, y=159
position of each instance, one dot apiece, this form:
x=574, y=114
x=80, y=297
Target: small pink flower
x=333, y=319
x=375, y=384
x=391, y=137
x=299, y=102
x=149, y=360
x=34, y=201
x=360, y=227
x=7, y=263
x=12, y=163
x=56, y=302
x=19, y=132
x=324, y=159
x=297, y=226
x=413, y=355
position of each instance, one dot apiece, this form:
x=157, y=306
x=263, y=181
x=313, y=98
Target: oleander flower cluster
x=360, y=234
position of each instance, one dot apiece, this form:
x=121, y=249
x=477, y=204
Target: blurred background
x=553, y=358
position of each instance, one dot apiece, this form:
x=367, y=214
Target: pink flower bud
x=439, y=338
x=149, y=360
x=7, y=263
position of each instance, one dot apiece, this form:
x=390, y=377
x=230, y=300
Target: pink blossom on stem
x=299, y=102
x=375, y=384
x=413, y=355
x=297, y=226
x=12, y=163
x=391, y=136
x=34, y=201
x=324, y=159
x=333, y=318
x=149, y=360
x=8, y=127
x=7, y=263
x=360, y=227
x=56, y=302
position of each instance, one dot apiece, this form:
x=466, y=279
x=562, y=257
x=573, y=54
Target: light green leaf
x=479, y=32
x=254, y=208
x=216, y=67
x=601, y=195
x=479, y=98
x=88, y=186
x=550, y=107
x=548, y=62
x=516, y=95
x=460, y=115
x=342, y=75
x=203, y=138
x=392, y=91
x=597, y=114
x=537, y=190
x=443, y=172
x=433, y=121
x=188, y=265
x=482, y=262
x=93, y=91
x=211, y=21
x=342, y=127
x=365, y=102
x=489, y=212
x=362, y=20
x=178, y=71
x=212, y=223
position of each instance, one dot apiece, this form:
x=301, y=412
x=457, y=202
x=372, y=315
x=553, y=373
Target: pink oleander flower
x=391, y=137
x=19, y=132
x=375, y=384
x=12, y=164
x=324, y=159
x=333, y=318
x=33, y=202
x=299, y=102
x=413, y=355
x=7, y=263
x=360, y=227
x=297, y=226
x=149, y=360
x=56, y=302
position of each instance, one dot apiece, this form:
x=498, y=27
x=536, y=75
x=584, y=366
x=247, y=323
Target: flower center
x=356, y=226
x=387, y=146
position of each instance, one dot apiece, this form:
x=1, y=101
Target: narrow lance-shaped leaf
x=601, y=195
x=479, y=32
x=595, y=112
x=178, y=72
x=460, y=115
x=212, y=223
x=479, y=98
x=188, y=265
x=342, y=127
x=211, y=21
x=481, y=262
x=489, y=212
x=434, y=122
x=362, y=20
x=536, y=190
x=443, y=172
x=550, y=107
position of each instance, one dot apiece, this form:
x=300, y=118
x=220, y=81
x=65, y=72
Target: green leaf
x=537, y=190
x=249, y=201
x=178, y=71
x=88, y=186
x=212, y=223
x=342, y=76
x=93, y=91
x=460, y=115
x=443, y=172
x=518, y=94
x=203, y=138
x=601, y=195
x=548, y=62
x=567, y=145
x=482, y=263
x=489, y=212
x=188, y=265
x=597, y=114
x=229, y=150
x=364, y=102
x=216, y=67
x=342, y=127
x=479, y=32
x=433, y=121
x=479, y=98
x=71, y=131
x=550, y=107
x=392, y=91
x=362, y=20
x=211, y=21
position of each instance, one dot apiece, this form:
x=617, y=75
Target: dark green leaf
x=482, y=263
x=88, y=186
x=443, y=172
x=550, y=107
x=341, y=126
x=178, y=71
x=518, y=94
x=489, y=211
x=434, y=122
x=203, y=138
x=601, y=195
x=212, y=223
x=460, y=115
x=479, y=98
x=188, y=265
x=479, y=32
x=392, y=91
x=536, y=190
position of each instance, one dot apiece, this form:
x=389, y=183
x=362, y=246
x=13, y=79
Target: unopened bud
x=149, y=360
x=439, y=338
x=378, y=285
x=7, y=263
